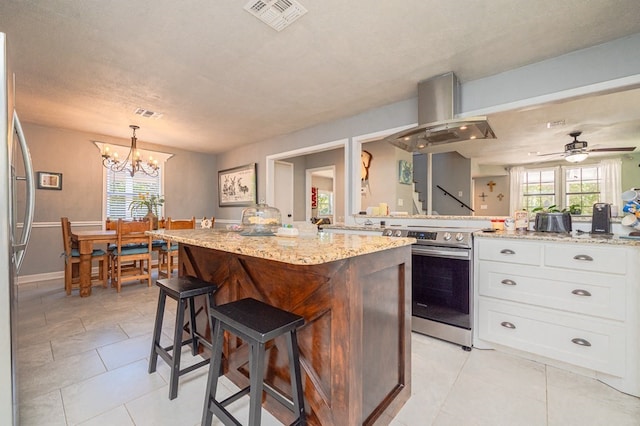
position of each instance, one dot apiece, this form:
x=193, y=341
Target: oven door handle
x=441, y=252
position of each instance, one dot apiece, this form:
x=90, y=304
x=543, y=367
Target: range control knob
x=447, y=236
x=398, y=233
x=388, y=233
x=459, y=237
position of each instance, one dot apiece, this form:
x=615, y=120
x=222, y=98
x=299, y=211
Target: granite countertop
x=323, y=248
x=573, y=237
x=373, y=227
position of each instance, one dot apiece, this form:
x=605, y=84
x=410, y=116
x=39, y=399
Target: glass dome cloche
x=260, y=219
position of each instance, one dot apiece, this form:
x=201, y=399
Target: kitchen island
x=354, y=293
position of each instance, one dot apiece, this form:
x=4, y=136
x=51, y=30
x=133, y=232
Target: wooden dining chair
x=111, y=225
x=72, y=261
x=168, y=253
x=156, y=245
x=207, y=223
x=132, y=245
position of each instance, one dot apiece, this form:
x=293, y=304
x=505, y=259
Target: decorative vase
x=153, y=218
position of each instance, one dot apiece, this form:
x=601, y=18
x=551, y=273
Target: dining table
x=85, y=241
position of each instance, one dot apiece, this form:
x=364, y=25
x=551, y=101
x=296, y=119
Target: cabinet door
x=586, y=257
x=510, y=251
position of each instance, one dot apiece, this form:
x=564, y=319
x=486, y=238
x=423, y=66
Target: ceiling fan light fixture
x=576, y=157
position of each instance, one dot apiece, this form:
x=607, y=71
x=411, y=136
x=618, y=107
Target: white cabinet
x=571, y=302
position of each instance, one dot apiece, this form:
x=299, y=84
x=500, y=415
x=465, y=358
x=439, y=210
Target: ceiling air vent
x=278, y=14
x=147, y=114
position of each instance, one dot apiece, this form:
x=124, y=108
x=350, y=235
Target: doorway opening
x=303, y=159
x=320, y=192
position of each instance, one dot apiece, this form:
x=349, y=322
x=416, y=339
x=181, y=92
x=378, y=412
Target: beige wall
x=384, y=183
x=493, y=205
x=630, y=172
x=452, y=172
x=190, y=188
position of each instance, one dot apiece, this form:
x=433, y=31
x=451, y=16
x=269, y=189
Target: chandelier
x=133, y=163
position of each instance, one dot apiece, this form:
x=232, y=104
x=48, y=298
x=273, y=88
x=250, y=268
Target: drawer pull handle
x=584, y=257
x=506, y=324
x=507, y=281
x=507, y=251
x=579, y=292
x=581, y=342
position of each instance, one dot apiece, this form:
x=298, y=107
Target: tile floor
x=84, y=362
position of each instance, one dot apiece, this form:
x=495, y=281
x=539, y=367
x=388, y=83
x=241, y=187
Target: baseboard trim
x=26, y=279
x=58, y=275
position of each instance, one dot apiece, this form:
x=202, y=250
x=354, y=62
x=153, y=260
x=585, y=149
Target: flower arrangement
x=151, y=202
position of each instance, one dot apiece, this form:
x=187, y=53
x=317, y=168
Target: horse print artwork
x=237, y=186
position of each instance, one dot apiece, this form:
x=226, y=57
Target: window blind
x=122, y=189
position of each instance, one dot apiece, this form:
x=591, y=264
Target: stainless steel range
x=442, y=281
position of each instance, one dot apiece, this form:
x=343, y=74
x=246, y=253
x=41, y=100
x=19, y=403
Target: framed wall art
x=238, y=186
x=49, y=180
x=405, y=172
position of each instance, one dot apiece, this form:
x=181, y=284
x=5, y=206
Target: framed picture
x=49, y=180
x=238, y=186
x=405, y=172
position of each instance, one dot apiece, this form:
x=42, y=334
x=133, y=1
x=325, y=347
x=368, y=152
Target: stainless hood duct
x=438, y=99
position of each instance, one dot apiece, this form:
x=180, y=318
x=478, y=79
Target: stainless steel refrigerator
x=16, y=199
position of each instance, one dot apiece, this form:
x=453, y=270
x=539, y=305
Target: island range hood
x=438, y=99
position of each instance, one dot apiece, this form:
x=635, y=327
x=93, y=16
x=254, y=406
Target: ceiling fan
x=577, y=151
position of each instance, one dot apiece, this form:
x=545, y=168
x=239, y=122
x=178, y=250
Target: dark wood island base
x=355, y=345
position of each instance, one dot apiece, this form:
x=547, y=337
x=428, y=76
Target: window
x=121, y=189
x=568, y=187
x=325, y=203
x=539, y=188
x=582, y=188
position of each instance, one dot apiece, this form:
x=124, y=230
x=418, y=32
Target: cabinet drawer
x=506, y=250
x=611, y=260
x=585, y=342
x=587, y=293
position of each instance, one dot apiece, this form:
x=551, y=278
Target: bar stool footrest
x=288, y=403
x=193, y=367
x=223, y=415
x=164, y=351
x=236, y=396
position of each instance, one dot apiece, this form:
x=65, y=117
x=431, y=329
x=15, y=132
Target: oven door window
x=441, y=289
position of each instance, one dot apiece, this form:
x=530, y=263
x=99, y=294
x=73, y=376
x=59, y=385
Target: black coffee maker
x=601, y=219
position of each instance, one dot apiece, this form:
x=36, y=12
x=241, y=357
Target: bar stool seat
x=182, y=290
x=256, y=323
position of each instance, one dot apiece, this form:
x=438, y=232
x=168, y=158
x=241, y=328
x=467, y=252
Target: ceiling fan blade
x=550, y=153
x=614, y=149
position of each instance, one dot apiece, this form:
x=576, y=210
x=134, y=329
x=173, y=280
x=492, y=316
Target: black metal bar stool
x=181, y=289
x=255, y=323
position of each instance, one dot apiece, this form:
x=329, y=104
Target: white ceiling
x=605, y=120
x=222, y=78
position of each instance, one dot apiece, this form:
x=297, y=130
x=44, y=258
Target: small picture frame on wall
x=49, y=180
x=405, y=172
